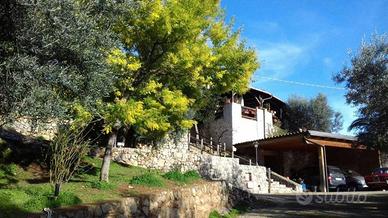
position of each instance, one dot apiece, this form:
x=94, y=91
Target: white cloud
x=327, y=61
x=280, y=59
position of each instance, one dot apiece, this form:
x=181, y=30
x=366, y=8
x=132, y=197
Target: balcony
x=248, y=113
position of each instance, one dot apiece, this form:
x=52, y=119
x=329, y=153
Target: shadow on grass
x=9, y=210
x=38, y=180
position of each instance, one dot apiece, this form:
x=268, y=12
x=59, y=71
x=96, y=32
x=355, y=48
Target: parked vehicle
x=378, y=179
x=336, y=178
x=354, y=181
x=310, y=175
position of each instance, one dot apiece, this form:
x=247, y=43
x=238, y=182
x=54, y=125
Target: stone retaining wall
x=177, y=155
x=167, y=156
x=194, y=201
x=249, y=178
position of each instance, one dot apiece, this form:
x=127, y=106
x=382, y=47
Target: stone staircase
x=280, y=184
x=277, y=188
x=239, y=170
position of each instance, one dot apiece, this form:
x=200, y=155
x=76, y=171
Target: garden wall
x=250, y=178
x=195, y=201
x=167, y=156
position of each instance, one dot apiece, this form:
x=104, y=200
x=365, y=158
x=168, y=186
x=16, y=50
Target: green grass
x=22, y=192
x=177, y=176
x=16, y=202
x=148, y=179
x=102, y=185
x=233, y=213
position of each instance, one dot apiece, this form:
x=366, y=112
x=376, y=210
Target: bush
x=177, y=176
x=233, y=213
x=192, y=174
x=215, y=214
x=64, y=199
x=148, y=179
x=102, y=185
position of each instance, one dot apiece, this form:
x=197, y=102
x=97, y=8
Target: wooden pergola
x=310, y=140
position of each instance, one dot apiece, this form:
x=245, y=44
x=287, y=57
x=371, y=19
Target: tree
x=174, y=56
x=313, y=114
x=52, y=58
x=366, y=81
x=65, y=155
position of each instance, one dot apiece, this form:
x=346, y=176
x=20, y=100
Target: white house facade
x=246, y=118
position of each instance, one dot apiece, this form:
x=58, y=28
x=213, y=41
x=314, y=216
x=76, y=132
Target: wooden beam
x=331, y=143
x=322, y=169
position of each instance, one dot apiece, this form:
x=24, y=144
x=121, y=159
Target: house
x=251, y=116
x=247, y=123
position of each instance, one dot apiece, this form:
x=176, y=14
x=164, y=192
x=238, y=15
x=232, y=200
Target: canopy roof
x=303, y=140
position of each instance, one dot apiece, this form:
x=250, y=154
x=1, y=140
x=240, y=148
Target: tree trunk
x=57, y=189
x=104, y=176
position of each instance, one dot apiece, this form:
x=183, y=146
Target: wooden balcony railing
x=248, y=112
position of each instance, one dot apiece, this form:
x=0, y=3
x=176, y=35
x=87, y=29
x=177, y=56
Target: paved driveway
x=343, y=204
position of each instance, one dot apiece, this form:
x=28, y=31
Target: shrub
x=177, y=176
x=101, y=185
x=148, y=179
x=233, y=213
x=64, y=199
x=192, y=174
x=215, y=214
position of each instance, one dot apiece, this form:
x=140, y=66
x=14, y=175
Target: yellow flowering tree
x=173, y=57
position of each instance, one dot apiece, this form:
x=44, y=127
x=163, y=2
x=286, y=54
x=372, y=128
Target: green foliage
x=65, y=155
x=314, y=114
x=277, y=130
x=174, y=56
x=233, y=213
x=9, y=174
x=215, y=214
x=55, y=51
x=186, y=177
x=5, y=153
x=148, y=179
x=102, y=185
x=366, y=81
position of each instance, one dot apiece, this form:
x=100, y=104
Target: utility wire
x=299, y=83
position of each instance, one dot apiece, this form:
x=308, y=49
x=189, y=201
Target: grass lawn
x=26, y=190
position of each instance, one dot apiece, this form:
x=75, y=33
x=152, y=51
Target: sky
x=306, y=41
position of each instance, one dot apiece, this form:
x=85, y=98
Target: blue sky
x=306, y=41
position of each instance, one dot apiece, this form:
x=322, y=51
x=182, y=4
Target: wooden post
x=201, y=146
x=211, y=145
x=218, y=149
x=224, y=149
x=269, y=179
x=232, y=154
x=322, y=169
x=197, y=139
x=250, y=162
